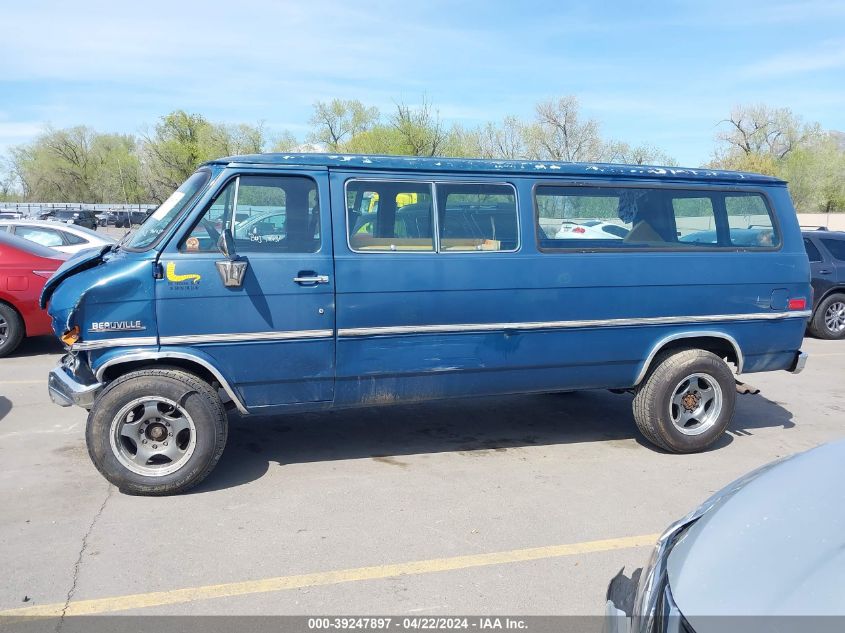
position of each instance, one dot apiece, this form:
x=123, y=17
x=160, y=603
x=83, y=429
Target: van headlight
x=71, y=336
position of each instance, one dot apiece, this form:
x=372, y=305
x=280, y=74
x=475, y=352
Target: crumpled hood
x=87, y=258
x=774, y=547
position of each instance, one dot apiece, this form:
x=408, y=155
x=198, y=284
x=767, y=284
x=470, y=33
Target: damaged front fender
x=107, y=295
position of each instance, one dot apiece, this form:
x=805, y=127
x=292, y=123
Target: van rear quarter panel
x=383, y=290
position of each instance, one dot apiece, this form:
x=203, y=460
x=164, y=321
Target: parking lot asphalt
x=507, y=505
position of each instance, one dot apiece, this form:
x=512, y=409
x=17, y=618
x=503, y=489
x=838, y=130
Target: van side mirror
x=232, y=269
x=226, y=244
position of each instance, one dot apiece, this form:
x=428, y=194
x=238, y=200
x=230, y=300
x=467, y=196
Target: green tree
x=419, y=129
x=58, y=166
x=285, y=142
x=379, y=139
x=79, y=165
x=173, y=151
x=816, y=175
x=222, y=139
x=8, y=181
x=775, y=141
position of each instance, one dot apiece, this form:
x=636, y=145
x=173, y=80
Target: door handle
x=825, y=271
x=307, y=278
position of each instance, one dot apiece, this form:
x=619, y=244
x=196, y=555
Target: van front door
x=272, y=336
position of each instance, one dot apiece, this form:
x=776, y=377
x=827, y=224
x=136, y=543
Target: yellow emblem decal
x=172, y=276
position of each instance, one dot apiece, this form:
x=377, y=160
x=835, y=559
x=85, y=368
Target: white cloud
x=11, y=131
x=827, y=55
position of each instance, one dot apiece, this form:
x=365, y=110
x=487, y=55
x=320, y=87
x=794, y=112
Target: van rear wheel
x=686, y=402
x=156, y=431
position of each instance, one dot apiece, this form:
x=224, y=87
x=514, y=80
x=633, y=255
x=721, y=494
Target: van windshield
x=168, y=211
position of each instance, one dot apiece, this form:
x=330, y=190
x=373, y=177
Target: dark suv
x=126, y=219
x=826, y=250
x=79, y=217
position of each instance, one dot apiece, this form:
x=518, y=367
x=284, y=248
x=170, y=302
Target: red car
x=24, y=268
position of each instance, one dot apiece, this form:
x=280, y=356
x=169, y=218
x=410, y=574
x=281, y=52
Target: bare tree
x=285, y=141
x=759, y=129
x=8, y=179
x=338, y=121
x=420, y=129
x=222, y=139
x=506, y=140
x=621, y=152
x=560, y=133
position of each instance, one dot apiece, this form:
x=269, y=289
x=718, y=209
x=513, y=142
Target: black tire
x=12, y=329
x=653, y=401
x=818, y=325
x=198, y=400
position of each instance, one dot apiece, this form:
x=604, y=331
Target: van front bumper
x=65, y=390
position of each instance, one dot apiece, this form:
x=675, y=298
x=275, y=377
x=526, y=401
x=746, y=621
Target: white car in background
x=591, y=229
x=66, y=238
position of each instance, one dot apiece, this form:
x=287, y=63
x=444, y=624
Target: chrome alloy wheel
x=834, y=317
x=4, y=330
x=696, y=404
x=153, y=436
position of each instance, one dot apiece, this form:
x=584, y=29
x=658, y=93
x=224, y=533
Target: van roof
x=477, y=165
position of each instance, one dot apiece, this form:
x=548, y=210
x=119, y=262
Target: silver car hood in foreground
x=774, y=547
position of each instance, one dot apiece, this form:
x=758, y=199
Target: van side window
x=587, y=218
x=695, y=221
x=477, y=217
x=389, y=216
x=601, y=217
x=750, y=222
x=267, y=214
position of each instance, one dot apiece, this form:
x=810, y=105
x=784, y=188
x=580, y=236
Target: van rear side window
x=599, y=218
x=749, y=221
x=389, y=216
x=477, y=217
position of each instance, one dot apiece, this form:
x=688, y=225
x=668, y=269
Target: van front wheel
x=686, y=402
x=156, y=431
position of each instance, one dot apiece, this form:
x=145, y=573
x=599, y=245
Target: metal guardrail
x=31, y=209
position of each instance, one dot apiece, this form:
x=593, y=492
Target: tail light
x=797, y=304
x=46, y=274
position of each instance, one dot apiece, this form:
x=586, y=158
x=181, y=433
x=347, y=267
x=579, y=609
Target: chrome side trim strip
x=199, y=339
x=141, y=356
x=130, y=341
x=242, y=337
x=548, y=325
x=290, y=335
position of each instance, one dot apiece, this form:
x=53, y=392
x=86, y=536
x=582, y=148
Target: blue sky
x=659, y=72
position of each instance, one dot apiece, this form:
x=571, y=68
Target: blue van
x=272, y=284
